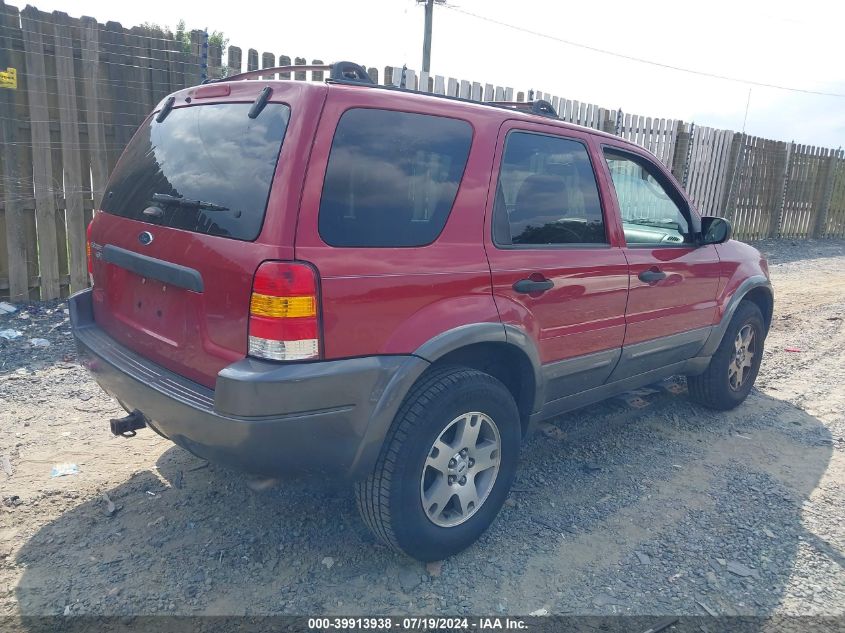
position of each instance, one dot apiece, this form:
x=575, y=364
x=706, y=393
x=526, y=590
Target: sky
x=790, y=44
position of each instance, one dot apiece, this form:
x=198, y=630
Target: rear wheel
x=728, y=379
x=446, y=466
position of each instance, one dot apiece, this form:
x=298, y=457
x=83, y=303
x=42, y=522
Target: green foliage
x=217, y=38
x=182, y=34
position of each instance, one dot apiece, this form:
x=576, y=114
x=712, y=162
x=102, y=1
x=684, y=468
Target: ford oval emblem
x=145, y=238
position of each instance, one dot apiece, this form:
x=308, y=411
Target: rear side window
x=206, y=169
x=392, y=178
x=547, y=193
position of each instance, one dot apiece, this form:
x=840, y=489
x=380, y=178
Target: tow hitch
x=126, y=427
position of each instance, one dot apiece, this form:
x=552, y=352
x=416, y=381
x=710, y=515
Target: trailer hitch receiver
x=126, y=426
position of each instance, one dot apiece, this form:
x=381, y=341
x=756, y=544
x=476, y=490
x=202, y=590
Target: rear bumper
x=327, y=417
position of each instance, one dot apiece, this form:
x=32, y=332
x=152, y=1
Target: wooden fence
x=83, y=88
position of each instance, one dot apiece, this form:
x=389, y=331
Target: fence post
x=233, y=61
x=299, y=75
x=204, y=56
x=215, y=61
x=12, y=189
x=680, y=158
x=775, y=226
x=317, y=75
x=736, y=154
x=268, y=60
x=827, y=194
x=608, y=120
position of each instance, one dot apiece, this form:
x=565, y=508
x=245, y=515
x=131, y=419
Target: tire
x=720, y=386
x=410, y=469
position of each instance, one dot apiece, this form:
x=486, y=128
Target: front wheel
x=446, y=466
x=728, y=379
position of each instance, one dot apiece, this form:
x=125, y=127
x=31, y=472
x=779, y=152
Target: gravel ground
x=635, y=506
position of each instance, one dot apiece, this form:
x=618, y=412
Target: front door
x=556, y=274
x=672, y=298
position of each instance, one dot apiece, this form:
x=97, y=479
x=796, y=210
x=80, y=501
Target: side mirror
x=715, y=230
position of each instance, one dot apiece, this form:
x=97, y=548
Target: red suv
x=394, y=287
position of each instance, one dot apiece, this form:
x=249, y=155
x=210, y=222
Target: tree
x=182, y=34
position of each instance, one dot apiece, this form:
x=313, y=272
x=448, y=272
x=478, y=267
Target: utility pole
x=429, y=18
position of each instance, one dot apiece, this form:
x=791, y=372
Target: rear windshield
x=205, y=169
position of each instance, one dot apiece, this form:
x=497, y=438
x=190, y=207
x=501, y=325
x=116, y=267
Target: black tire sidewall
x=414, y=532
x=747, y=314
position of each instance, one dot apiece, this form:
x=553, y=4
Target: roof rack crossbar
x=347, y=72
x=538, y=106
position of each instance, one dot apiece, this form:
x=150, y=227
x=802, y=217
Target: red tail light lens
x=283, y=312
x=88, y=254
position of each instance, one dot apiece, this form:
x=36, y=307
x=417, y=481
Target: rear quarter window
x=392, y=178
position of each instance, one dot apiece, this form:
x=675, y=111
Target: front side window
x=547, y=193
x=392, y=178
x=649, y=214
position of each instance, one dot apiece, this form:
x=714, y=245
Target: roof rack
x=346, y=72
x=350, y=73
x=538, y=106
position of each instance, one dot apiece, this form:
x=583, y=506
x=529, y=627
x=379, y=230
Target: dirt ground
x=645, y=504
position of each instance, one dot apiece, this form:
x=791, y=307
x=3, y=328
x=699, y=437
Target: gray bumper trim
x=328, y=417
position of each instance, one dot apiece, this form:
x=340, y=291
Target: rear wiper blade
x=187, y=202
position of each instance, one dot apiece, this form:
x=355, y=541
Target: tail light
x=88, y=255
x=283, y=312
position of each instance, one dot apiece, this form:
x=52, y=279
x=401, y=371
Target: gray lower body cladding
x=327, y=417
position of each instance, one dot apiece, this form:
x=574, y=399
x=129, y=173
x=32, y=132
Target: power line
x=641, y=60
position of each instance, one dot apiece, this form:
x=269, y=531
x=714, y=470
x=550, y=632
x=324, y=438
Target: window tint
x=547, y=193
x=649, y=214
x=392, y=178
x=214, y=154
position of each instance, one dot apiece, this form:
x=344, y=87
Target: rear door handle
x=530, y=286
x=652, y=275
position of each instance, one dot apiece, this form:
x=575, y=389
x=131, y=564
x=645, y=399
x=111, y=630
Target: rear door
x=672, y=301
x=557, y=270
x=196, y=202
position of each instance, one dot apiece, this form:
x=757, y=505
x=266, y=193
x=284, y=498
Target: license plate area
x=150, y=307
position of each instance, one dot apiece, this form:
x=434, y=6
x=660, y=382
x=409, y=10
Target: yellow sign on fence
x=9, y=78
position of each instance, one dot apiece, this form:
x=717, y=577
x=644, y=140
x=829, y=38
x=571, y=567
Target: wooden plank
x=774, y=226
x=71, y=161
x=826, y=196
x=45, y=209
x=410, y=79
x=159, y=81
x=465, y=89
x=14, y=263
x=439, y=85
x=233, y=60
x=176, y=62
x=94, y=101
x=284, y=60
x=268, y=60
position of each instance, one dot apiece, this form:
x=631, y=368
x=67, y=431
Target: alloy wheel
x=460, y=470
x=743, y=357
